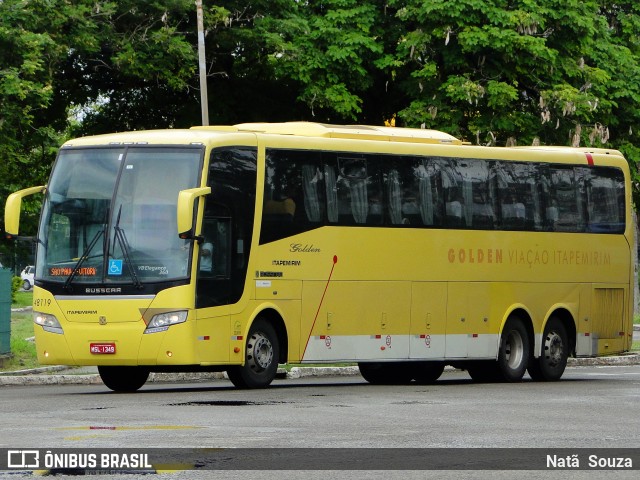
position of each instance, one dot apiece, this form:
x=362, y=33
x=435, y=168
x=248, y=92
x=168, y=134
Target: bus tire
x=261, y=358
x=483, y=371
x=123, y=379
x=381, y=373
x=514, y=350
x=426, y=373
x=550, y=365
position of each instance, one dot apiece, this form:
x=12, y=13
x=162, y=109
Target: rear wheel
x=513, y=356
x=123, y=379
x=514, y=351
x=550, y=365
x=426, y=373
x=392, y=373
x=261, y=358
x=26, y=285
x=482, y=371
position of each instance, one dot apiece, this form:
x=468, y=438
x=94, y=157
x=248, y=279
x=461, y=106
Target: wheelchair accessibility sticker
x=115, y=267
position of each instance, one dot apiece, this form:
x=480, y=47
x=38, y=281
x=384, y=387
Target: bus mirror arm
x=190, y=236
x=12, y=209
x=185, y=211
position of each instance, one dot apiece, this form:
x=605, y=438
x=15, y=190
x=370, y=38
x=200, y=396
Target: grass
x=23, y=351
x=23, y=299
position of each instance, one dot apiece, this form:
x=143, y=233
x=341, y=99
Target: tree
x=512, y=70
x=328, y=50
x=29, y=55
x=55, y=55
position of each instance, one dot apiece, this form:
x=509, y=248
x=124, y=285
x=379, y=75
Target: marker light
x=49, y=323
x=162, y=321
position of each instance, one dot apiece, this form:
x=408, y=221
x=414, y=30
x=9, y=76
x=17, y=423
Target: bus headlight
x=49, y=323
x=162, y=321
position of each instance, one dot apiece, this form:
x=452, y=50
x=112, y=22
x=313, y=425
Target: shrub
x=16, y=283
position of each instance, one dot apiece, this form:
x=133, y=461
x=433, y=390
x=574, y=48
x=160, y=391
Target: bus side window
x=565, y=209
x=293, y=194
x=358, y=194
x=518, y=196
x=331, y=192
x=480, y=201
x=428, y=191
x=400, y=208
x=453, y=196
x=605, y=201
x=215, y=248
x=393, y=188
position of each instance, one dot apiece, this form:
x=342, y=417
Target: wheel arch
x=274, y=317
x=522, y=313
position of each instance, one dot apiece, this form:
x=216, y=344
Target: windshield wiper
x=82, y=259
x=126, y=249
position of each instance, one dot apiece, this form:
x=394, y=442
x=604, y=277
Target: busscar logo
x=103, y=290
x=23, y=459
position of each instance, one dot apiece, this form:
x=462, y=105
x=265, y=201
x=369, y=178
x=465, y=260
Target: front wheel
x=26, y=285
x=550, y=365
x=123, y=379
x=261, y=358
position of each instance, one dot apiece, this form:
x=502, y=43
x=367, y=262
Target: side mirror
x=186, y=201
x=12, y=209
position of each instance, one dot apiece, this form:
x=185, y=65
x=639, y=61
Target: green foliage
x=564, y=73
x=328, y=49
x=22, y=299
x=16, y=283
x=561, y=72
x=23, y=349
x=115, y=63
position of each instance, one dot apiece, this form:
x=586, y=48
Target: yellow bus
x=238, y=248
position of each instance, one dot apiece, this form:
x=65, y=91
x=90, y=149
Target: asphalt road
x=591, y=407
x=588, y=406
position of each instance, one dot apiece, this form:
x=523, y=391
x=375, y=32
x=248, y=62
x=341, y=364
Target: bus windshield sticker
x=115, y=267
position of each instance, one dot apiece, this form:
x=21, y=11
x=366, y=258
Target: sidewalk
x=61, y=375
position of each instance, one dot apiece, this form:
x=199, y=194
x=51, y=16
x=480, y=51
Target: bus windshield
x=110, y=215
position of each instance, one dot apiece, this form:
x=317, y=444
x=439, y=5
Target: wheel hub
x=514, y=349
x=259, y=352
x=553, y=348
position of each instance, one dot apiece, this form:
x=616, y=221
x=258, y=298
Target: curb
x=48, y=375
x=613, y=361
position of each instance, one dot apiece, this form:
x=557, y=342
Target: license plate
x=102, y=348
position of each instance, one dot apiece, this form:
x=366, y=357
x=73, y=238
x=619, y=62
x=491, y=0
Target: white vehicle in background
x=27, y=277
